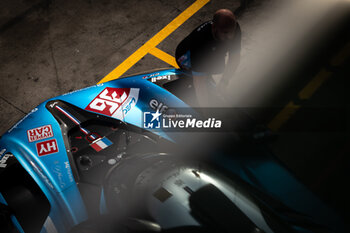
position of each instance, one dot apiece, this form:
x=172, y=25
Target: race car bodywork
x=65, y=163
x=38, y=144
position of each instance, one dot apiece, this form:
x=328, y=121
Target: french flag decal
x=101, y=144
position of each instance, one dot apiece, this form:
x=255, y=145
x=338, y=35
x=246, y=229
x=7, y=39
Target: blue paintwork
x=265, y=173
x=13, y=218
x=52, y=172
x=54, y=175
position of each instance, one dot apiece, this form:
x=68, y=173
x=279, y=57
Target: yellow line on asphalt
x=283, y=116
x=309, y=89
x=314, y=84
x=164, y=57
x=339, y=58
x=154, y=41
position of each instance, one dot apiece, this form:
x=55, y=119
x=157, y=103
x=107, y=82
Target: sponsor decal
x=69, y=171
x=4, y=157
x=114, y=102
x=163, y=77
x=47, y=147
x=129, y=105
x=40, y=133
x=158, y=106
x=2, y=152
x=63, y=173
x=158, y=120
x=57, y=169
x=152, y=75
x=53, y=104
x=101, y=144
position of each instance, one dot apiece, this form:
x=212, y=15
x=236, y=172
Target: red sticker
x=47, y=147
x=114, y=102
x=109, y=100
x=40, y=133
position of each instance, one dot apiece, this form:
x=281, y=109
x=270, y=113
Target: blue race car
x=96, y=160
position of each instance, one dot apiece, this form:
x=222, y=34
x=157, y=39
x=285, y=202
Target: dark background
x=48, y=48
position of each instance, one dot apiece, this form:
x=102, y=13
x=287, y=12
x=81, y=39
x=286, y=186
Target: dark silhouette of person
x=212, y=48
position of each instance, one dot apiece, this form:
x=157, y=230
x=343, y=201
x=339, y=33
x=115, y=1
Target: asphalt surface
x=48, y=48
